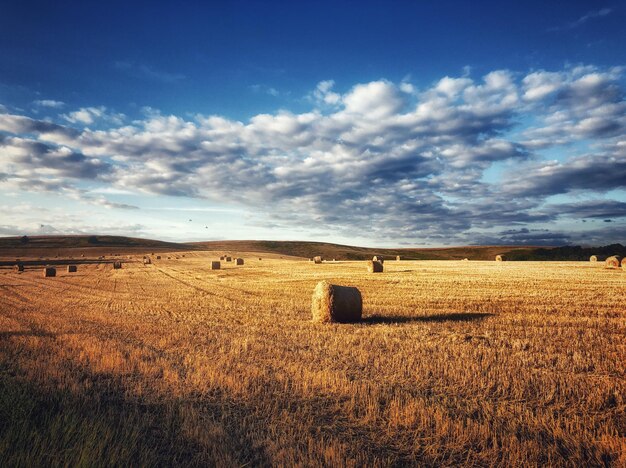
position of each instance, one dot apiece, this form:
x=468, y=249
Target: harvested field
x=472, y=363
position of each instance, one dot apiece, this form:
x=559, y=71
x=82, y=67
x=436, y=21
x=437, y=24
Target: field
x=474, y=363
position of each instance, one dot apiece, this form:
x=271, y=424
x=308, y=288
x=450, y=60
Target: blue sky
x=411, y=123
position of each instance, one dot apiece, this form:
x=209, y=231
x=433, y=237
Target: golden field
x=455, y=363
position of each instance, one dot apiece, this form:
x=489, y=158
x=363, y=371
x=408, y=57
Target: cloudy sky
x=369, y=123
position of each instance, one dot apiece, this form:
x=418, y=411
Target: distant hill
x=347, y=252
x=46, y=245
x=567, y=253
x=102, y=245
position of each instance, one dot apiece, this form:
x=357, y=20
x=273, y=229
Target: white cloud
x=49, y=103
x=381, y=158
x=90, y=115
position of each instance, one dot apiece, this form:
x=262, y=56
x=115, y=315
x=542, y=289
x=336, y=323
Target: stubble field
x=475, y=363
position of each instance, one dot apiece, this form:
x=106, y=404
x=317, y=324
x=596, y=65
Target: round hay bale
x=318, y=259
x=117, y=265
x=500, y=258
x=397, y=258
x=593, y=259
x=334, y=303
x=612, y=262
x=72, y=269
x=239, y=261
x=158, y=257
x=260, y=259
x=374, y=266
x=624, y=263
x=215, y=265
x=378, y=258
x=466, y=259
x=147, y=261
x=18, y=267
x=49, y=272
x=229, y=259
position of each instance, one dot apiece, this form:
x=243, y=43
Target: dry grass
x=455, y=363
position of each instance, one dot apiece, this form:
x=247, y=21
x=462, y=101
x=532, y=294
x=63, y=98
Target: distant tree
x=24, y=240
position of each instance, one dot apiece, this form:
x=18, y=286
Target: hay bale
x=72, y=269
x=49, y=272
x=397, y=258
x=318, y=259
x=239, y=261
x=147, y=261
x=612, y=262
x=374, y=266
x=333, y=303
x=624, y=263
x=117, y=265
x=593, y=259
x=466, y=259
x=229, y=259
x=158, y=257
x=260, y=259
x=215, y=265
x=18, y=267
x=500, y=258
x=378, y=258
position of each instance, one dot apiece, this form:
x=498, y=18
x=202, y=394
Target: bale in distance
x=378, y=258
x=612, y=262
x=18, y=267
x=49, y=272
x=624, y=263
x=117, y=265
x=593, y=259
x=147, y=261
x=317, y=259
x=374, y=266
x=260, y=259
x=229, y=259
x=397, y=258
x=158, y=257
x=466, y=259
x=215, y=265
x=239, y=261
x=334, y=303
x=500, y=258
x=72, y=268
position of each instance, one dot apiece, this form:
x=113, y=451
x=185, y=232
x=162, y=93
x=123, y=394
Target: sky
x=388, y=124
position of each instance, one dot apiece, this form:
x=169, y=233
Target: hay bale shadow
x=454, y=317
